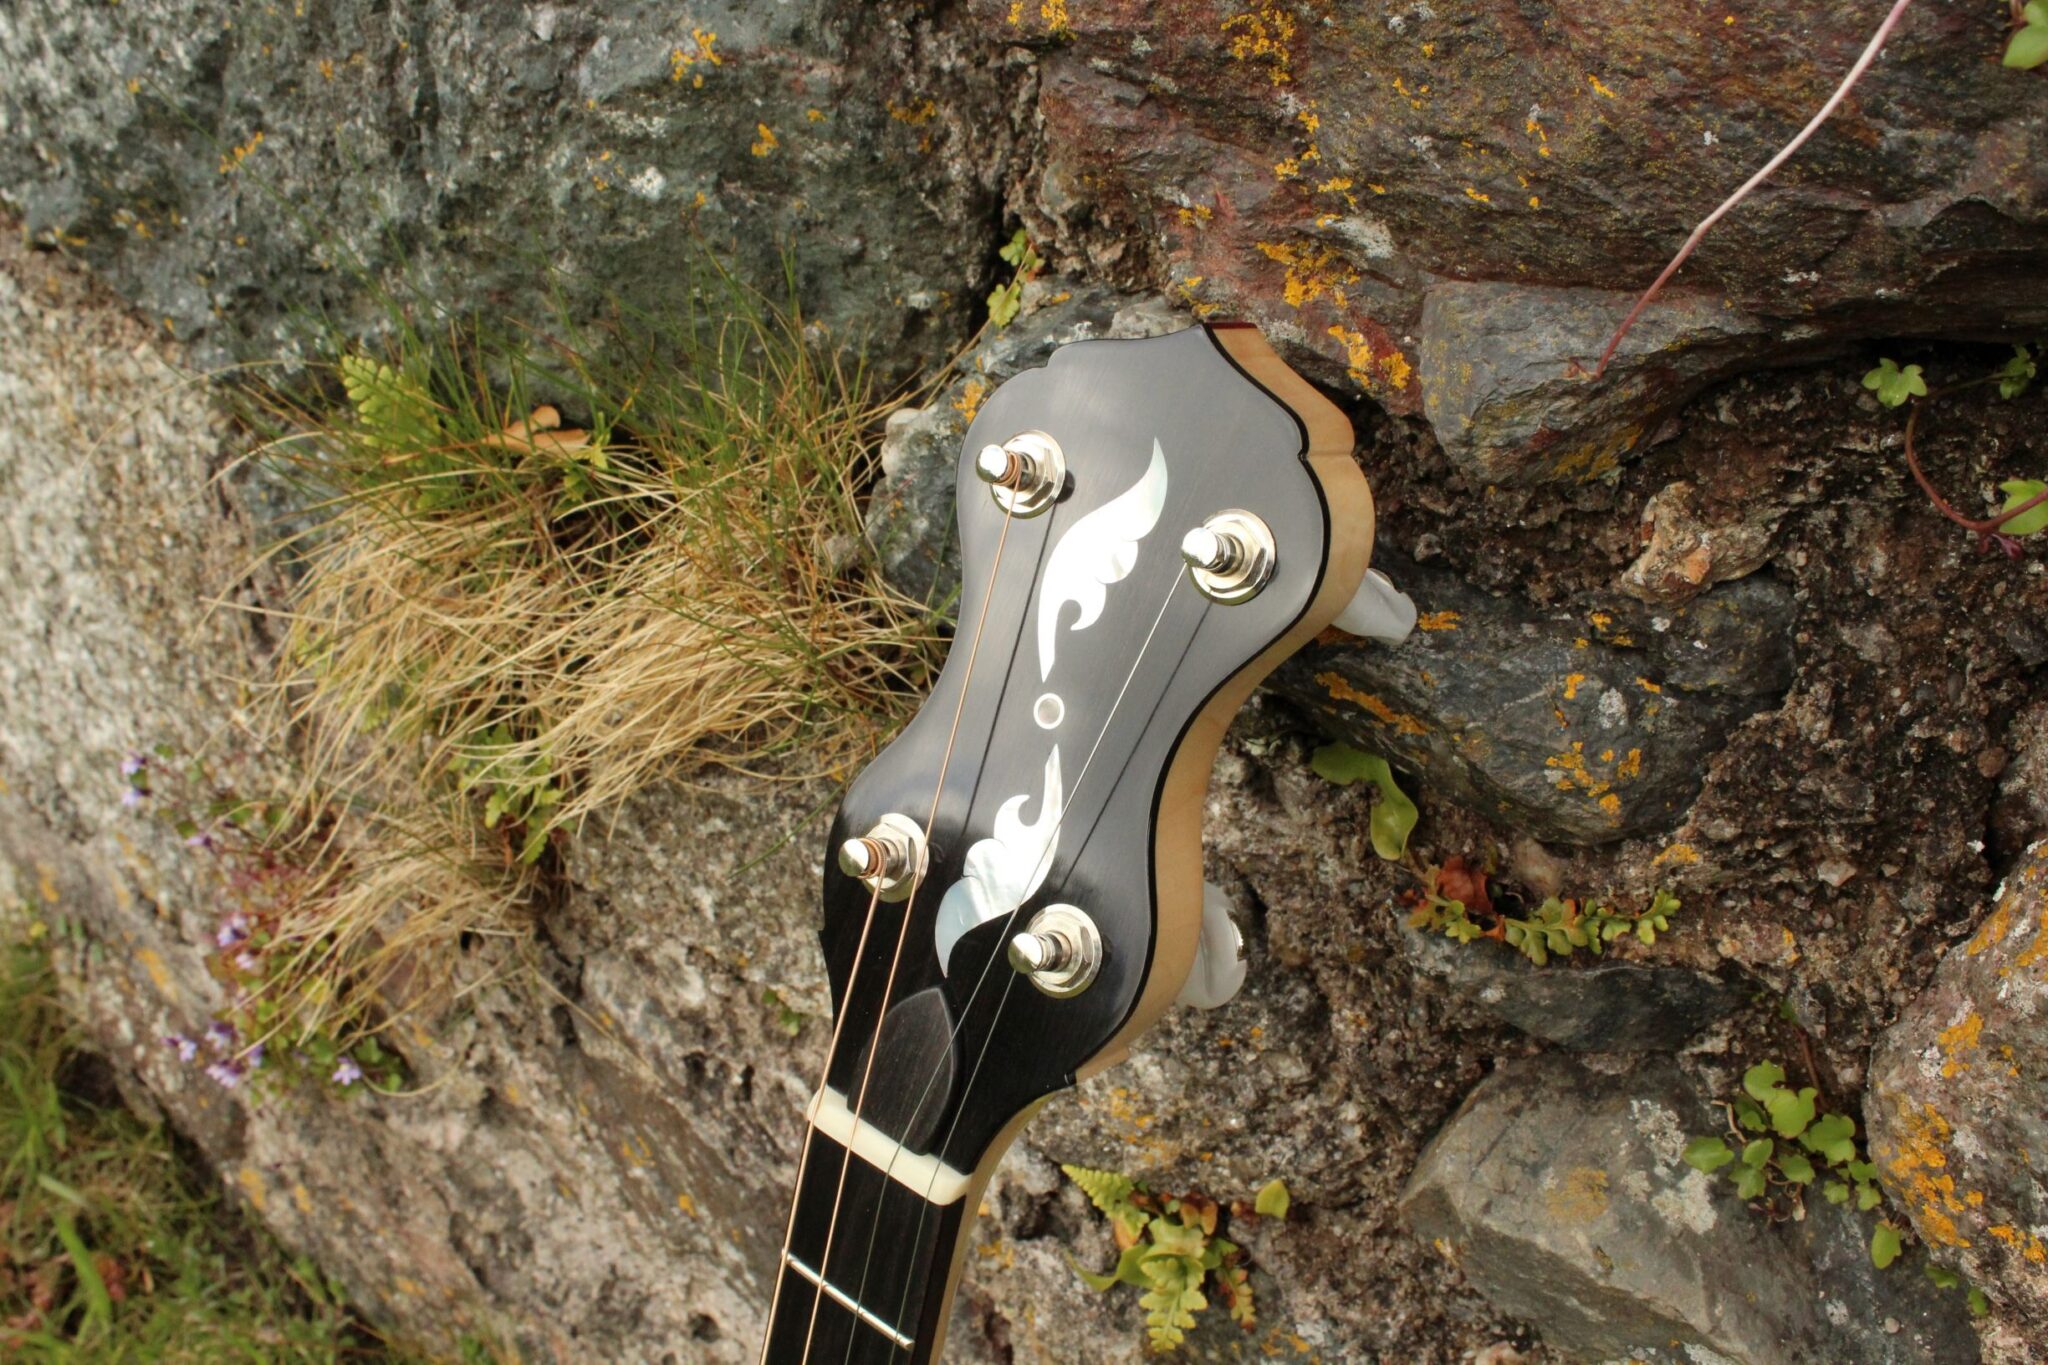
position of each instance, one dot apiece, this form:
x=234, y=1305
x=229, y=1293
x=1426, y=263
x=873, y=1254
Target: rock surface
x=1582, y=727
x=1558, y=1189
x=1324, y=172
x=595, y=1165
x=249, y=175
x=1958, y=1110
x=1606, y=1006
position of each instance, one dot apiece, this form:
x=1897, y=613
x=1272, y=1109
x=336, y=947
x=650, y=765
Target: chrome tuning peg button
x=1219, y=969
x=890, y=858
x=1231, y=556
x=1060, y=951
x=1025, y=473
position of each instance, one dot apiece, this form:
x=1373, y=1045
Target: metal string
x=902, y=932
x=1009, y=924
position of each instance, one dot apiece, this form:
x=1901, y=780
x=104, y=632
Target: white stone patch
x=1660, y=1129
x=1707, y=1355
x=1612, y=710
x=648, y=184
x=1367, y=233
x=1636, y=1185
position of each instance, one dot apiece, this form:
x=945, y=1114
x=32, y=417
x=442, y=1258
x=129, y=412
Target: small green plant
x=1776, y=1134
x=1006, y=298
x=1453, y=900
x=2029, y=45
x=1170, y=1245
x=2025, y=510
x=1393, y=815
x=787, y=1018
x=110, y=1250
x=1892, y=385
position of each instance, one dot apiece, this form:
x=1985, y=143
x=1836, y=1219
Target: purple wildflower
x=133, y=797
x=248, y=962
x=254, y=1057
x=221, y=1035
x=185, y=1047
x=201, y=840
x=348, y=1073
x=226, y=1074
x=134, y=764
x=233, y=930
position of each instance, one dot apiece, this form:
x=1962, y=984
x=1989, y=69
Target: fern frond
x=1175, y=1297
x=1111, y=1194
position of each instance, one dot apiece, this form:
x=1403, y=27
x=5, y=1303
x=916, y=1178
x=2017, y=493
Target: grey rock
x=1957, y=1109
x=910, y=517
x=255, y=175
x=1558, y=1188
x=1609, y=1006
x=1498, y=385
x=1581, y=728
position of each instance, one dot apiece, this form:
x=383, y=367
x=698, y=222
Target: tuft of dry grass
x=507, y=620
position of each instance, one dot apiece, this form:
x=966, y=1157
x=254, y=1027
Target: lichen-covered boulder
x=1560, y=1192
x=1324, y=172
x=1958, y=1109
x=1583, y=727
x=248, y=173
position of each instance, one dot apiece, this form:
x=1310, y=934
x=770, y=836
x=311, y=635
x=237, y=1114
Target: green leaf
x=1273, y=1201
x=1893, y=385
x=1111, y=1194
x=1758, y=1152
x=1836, y=1192
x=1884, y=1245
x=1003, y=302
x=1707, y=1154
x=1125, y=1271
x=1749, y=1115
x=99, y=1307
x=2016, y=373
x=2029, y=47
x=1762, y=1081
x=1795, y=1167
x=1868, y=1197
x=1943, y=1277
x=1790, y=1113
x=1750, y=1181
x=2018, y=492
x=1013, y=251
x=1393, y=816
x=1979, y=1305
x=1832, y=1137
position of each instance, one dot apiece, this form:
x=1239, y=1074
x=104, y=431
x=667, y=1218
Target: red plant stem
x=1982, y=528
x=1877, y=41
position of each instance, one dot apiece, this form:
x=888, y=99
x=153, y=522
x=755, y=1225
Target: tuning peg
x=1060, y=951
x=1025, y=473
x=1379, y=611
x=889, y=858
x=1219, y=968
x=1230, y=556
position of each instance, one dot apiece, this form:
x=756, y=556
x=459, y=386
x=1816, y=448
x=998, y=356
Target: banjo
x=1147, y=528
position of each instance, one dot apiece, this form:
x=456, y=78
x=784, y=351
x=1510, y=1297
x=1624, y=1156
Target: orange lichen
x=1920, y=1164
x=1368, y=370
x=1572, y=683
x=1340, y=689
x=765, y=142
x=1438, y=620
x=702, y=48
x=1311, y=273
x=1263, y=35
x=969, y=401
x=1958, y=1039
x=1682, y=854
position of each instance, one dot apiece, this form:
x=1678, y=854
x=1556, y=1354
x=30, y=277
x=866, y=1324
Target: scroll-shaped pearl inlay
x=1003, y=871
x=1096, y=551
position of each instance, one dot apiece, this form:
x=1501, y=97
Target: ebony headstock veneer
x=1076, y=720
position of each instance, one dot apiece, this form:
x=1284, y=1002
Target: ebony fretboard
x=891, y=1253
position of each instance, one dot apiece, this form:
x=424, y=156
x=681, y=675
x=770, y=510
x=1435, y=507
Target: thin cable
x=902, y=933
x=967, y=1009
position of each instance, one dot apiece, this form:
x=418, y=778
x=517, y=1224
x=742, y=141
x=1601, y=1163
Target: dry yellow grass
x=503, y=626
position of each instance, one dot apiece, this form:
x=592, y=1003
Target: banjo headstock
x=1014, y=889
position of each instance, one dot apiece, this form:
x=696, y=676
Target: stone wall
x=1692, y=627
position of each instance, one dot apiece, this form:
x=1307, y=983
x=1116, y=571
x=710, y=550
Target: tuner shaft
x=1230, y=556
x=890, y=858
x=1024, y=474
x=1060, y=951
